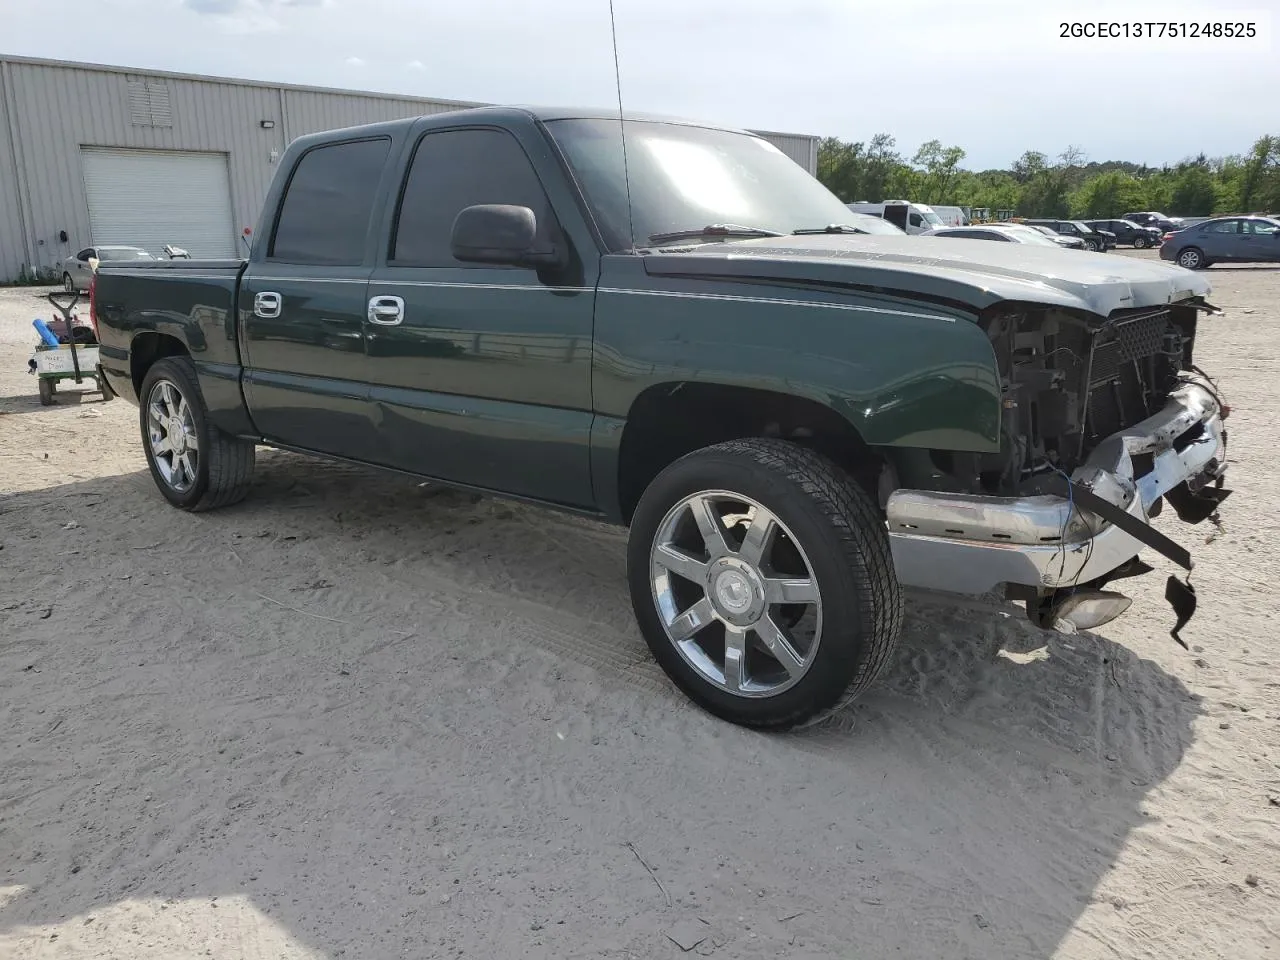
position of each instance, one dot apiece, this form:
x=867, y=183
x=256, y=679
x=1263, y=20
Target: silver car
x=1008, y=233
x=77, y=271
x=1224, y=240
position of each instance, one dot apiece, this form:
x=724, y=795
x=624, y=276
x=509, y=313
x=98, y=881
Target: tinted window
x=1225, y=226
x=85, y=254
x=915, y=220
x=457, y=169
x=327, y=205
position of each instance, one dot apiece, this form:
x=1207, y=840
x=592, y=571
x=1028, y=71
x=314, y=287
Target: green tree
x=1193, y=194
x=939, y=165
x=1029, y=165
x=1068, y=186
x=1107, y=195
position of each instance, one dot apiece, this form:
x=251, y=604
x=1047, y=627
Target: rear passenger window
x=325, y=215
x=454, y=169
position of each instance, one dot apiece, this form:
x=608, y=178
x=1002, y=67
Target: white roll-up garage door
x=148, y=198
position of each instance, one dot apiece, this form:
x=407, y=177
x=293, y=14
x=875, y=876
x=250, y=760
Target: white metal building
x=111, y=155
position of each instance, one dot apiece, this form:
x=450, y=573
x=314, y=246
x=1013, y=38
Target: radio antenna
x=622, y=124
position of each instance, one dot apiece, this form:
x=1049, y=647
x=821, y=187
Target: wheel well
x=146, y=349
x=673, y=419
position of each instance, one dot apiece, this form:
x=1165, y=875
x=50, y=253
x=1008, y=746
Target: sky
x=991, y=76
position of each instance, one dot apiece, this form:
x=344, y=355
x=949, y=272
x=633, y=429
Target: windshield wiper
x=733, y=231
x=829, y=228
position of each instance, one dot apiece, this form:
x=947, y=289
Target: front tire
x=762, y=580
x=1091, y=246
x=1139, y=243
x=195, y=465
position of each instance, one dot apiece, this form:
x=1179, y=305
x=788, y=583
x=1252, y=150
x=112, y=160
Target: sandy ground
x=350, y=718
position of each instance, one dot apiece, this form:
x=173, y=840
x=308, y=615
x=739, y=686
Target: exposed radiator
x=1130, y=362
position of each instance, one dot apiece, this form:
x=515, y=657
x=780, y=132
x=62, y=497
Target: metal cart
x=75, y=360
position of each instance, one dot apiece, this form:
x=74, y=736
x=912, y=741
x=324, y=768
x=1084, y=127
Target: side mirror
x=500, y=234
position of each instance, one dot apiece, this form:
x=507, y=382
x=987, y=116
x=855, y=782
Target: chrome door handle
x=267, y=305
x=387, y=311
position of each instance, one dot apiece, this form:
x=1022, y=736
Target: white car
x=77, y=271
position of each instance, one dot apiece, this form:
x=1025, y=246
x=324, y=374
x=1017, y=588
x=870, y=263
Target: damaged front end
x=1102, y=422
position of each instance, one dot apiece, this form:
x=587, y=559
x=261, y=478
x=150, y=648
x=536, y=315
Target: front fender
x=903, y=373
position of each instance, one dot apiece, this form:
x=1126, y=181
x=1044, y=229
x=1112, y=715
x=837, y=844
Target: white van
x=952, y=216
x=911, y=217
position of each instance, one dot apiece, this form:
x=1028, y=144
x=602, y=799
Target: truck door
x=480, y=374
x=302, y=305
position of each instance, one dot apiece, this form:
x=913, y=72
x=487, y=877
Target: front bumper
x=961, y=543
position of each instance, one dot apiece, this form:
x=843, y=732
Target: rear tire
x=213, y=471
x=1139, y=243
x=1192, y=258
x=723, y=617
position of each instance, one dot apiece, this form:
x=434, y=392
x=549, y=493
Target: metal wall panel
x=55, y=108
x=13, y=253
x=801, y=148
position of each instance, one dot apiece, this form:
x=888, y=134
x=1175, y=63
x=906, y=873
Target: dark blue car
x=1224, y=240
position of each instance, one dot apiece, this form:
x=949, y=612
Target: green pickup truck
x=670, y=326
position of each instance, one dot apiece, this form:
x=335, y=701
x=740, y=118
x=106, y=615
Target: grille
x=1127, y=360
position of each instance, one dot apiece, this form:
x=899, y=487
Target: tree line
x=1067, y=185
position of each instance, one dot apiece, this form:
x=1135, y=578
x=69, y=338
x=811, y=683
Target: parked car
x=1150, y=218
x=490, y=299
x=1128, y=233
x=1093, y=239
x=1004, y=232
x=1074, y=243
x=866, y=223
x=77, y=270
x=1224, y=240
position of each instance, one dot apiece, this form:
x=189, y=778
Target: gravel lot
x=354, y=717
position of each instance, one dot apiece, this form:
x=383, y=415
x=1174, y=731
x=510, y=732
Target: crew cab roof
x=508, y=114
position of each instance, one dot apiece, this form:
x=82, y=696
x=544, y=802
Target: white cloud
x=354, y=62
x=416, y=65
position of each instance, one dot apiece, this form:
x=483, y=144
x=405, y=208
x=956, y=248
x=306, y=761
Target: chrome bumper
x=960, y=543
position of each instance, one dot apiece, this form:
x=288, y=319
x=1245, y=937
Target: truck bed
x=139, y=305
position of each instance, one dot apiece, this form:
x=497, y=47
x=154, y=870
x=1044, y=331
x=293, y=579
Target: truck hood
x=973, y=273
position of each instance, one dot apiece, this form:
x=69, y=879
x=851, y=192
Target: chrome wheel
x=171, y=432
x=735, y=593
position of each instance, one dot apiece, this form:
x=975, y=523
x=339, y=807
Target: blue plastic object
x=46, y=334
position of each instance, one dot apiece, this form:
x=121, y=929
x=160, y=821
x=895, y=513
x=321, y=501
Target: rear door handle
x=387, y=311
x=267, y=305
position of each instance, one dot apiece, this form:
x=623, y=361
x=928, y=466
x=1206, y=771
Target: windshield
x=932, y=218
x=685, y=177
x=123, y=253
x=1029, y=235
x=1082, y=227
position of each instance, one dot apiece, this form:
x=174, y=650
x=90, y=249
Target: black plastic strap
x=1143, y=532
